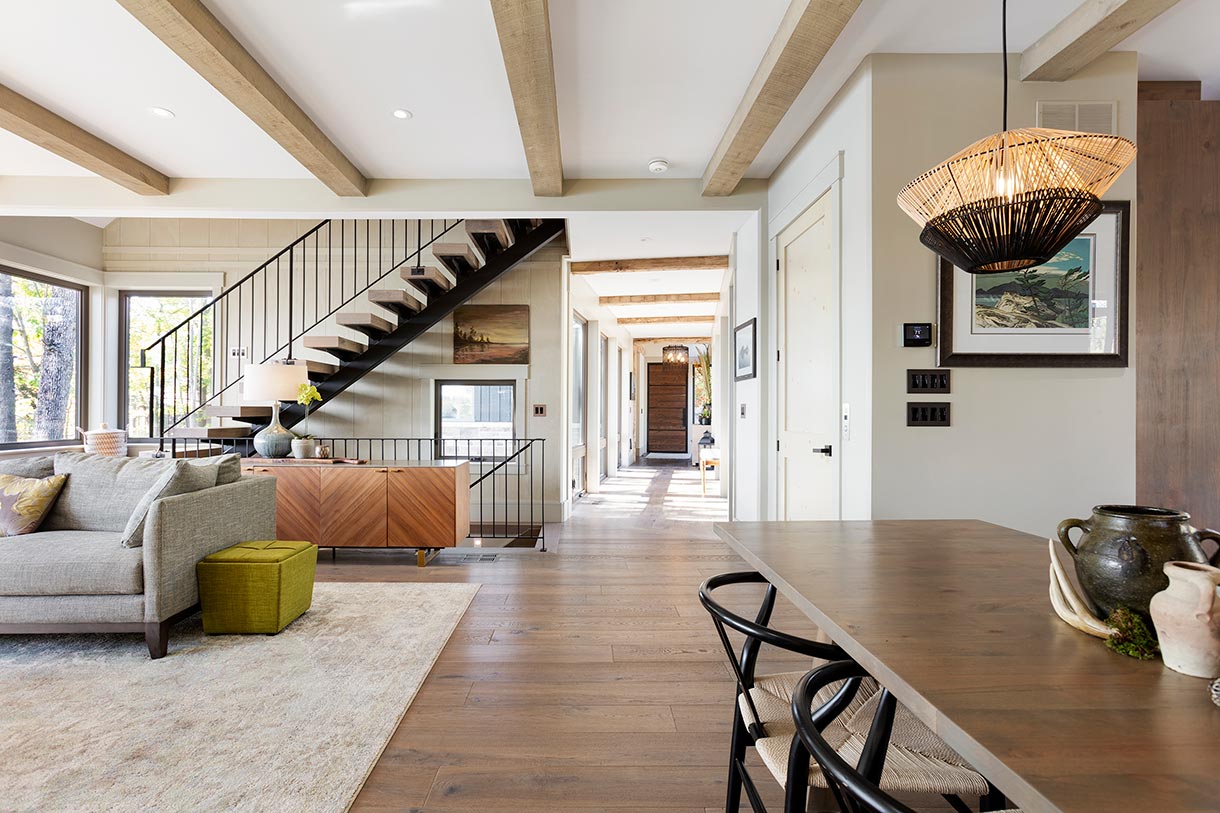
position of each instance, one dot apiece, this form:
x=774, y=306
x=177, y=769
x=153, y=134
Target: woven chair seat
x=917, y=761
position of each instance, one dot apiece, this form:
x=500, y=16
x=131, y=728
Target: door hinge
x=777, y=263
x=777, y=356
x=777, y=445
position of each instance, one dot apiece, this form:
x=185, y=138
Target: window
x=146, y=316
x=474, y=419
x=42, y=335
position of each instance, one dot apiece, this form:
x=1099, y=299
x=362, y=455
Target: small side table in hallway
x=708, y=455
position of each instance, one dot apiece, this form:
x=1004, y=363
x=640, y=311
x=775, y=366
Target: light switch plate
x=743, y=410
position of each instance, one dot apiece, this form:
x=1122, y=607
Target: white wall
x=749, y=453
x=835, y=157
x=1027, y=446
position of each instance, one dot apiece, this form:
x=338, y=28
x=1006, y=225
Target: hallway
x=653, y=494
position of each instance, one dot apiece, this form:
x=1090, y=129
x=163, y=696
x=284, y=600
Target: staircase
x=353, y=291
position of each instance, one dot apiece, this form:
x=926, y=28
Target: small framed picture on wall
x=745, y=351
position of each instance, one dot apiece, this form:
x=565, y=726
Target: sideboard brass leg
x=425, y=555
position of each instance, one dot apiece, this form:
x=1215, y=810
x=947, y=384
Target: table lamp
x=274, y=381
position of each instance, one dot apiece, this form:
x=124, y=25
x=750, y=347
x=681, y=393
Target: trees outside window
x=41, y=347
x=146, y=317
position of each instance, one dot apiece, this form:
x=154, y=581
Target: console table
x=380, y=504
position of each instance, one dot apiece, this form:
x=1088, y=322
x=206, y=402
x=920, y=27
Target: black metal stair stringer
x=437, y=309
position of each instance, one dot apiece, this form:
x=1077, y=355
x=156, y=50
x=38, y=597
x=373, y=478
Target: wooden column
x=1177, y=320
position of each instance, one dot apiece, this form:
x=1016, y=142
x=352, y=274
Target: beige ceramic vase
x=1187, y=619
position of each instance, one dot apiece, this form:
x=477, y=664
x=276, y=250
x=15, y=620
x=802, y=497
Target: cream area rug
x=290, y=722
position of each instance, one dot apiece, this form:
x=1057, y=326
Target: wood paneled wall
x=1178, y=307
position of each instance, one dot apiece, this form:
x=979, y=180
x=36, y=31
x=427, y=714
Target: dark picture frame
x=752, y=326
x=947, y=356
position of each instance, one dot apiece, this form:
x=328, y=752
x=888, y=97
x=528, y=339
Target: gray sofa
x=91, y=567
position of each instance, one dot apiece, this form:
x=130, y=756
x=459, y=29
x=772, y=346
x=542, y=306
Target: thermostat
x=917, y=334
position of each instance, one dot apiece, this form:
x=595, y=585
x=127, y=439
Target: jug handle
x=1068, y=524
x=1208, y=533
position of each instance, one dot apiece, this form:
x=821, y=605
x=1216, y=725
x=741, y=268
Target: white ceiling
x=94, y=64
x=636, y=79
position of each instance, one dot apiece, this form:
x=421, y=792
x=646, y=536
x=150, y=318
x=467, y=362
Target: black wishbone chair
x=857, y=789
x=762, y=711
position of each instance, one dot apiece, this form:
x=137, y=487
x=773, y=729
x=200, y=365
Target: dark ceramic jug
x=1121, y=555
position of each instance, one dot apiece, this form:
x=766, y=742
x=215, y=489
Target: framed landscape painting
x=1069, y=312
x=491, y=334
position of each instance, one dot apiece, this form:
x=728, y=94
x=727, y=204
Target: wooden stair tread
x=455, y=255
x=399, y=300
x=321, y=369
x=367, y=323
x=442, y=278
x=210, y=432
x=237, y=411
x=337, y=346
x=497, y=229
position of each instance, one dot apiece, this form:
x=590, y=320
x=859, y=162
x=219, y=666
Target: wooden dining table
x=953, y=616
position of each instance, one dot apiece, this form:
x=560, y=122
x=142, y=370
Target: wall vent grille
x=1086, y=117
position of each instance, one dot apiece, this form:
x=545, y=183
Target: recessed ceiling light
x=400, y=113
x=161, y=112
x=658, y=165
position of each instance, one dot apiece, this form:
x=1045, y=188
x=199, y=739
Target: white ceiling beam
x=193, y=33
x=805, y=34
x=1092, y=29
x=53, y=132
x=524, y=28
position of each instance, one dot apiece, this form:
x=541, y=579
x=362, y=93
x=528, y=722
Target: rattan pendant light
x=1014, y=199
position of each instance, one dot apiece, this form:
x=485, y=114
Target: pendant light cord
x=1004, y=37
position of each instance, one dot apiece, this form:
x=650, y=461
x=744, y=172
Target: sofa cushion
x=25, y=501
x=181, y=478
x=228, y=467
x=38, y=467
x=102, y=492
x=69, y=563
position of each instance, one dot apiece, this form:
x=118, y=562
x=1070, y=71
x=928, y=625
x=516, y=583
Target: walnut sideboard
x=380, y=504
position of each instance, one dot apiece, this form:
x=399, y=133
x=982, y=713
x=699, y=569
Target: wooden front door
x=667, y=407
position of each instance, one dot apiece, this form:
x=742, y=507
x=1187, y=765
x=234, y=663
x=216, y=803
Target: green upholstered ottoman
x=256, y=586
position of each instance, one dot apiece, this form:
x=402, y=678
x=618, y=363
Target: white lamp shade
x=273, y=381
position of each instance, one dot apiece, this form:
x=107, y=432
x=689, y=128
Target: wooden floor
x=586, y=678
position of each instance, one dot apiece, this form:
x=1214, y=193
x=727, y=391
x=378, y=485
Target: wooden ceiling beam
x=524, y=28
x=674, y=340
x=657, y=299
x=192, y=32
x=36, y=124
x=666, y=320
x=1093, y=28
x=718, y=262
x=805, y=34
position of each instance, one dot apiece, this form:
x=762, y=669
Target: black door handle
x=826, y=450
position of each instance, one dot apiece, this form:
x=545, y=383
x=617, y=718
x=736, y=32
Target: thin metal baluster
x=380, y=252
x=368, y=257
x=291, y=296
x=542, y=488
x=316, y=273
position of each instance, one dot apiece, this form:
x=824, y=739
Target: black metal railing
x=507, y=475
x=260, y=317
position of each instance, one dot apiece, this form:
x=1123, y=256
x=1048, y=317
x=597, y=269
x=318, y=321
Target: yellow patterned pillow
x=24, y=501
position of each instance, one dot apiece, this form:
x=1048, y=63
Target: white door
x=808, y=287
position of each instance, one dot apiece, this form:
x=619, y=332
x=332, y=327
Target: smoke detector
x=658, y=165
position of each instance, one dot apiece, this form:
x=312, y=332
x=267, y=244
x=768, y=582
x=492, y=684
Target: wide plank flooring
x=586, y=678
